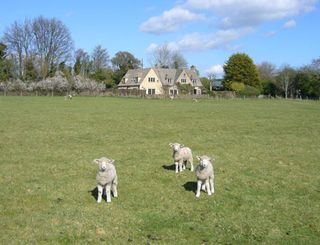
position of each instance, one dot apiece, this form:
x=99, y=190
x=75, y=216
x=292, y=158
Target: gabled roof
x=194, y=77
x=164, y=74
x=131, y=75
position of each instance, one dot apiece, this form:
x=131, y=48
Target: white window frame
x=151, y=79
x=151, y=91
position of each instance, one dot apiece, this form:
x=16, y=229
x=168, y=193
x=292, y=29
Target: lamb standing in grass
x=205, y=175
x=181, y=155
x=106, y=178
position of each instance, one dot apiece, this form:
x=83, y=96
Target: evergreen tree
x=122, y=62
x=6, y=65
x=77, y=66
x=241, y=69
x=30, y=70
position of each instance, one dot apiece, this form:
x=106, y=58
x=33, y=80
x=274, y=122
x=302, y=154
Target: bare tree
x=18, y=38
x=83, y=62
x=53, y=43
x=178, y=61
x=163, y=56
x=267, y=71
x=285, y=79
x=100, y=58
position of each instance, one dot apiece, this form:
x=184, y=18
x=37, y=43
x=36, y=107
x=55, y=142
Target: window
x=183, y=80
x=194, y=81
x=151, y=79
x=151, y=91
x=173, y=92
x=169, y=80
x=136, y=79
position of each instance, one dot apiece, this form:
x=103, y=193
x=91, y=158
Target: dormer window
x=183, y=80
x=151, y=79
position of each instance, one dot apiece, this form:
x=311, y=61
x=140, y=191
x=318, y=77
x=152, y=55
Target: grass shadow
x=94, y=193
x=171, y=167
x=190, y=186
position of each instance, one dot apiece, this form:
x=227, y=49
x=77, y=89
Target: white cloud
x=289, y=24
x=171, y=46
x=229, y=20
x=169, y=21
x=271, y=34
x=235, y=13
x=216, y=70
x=152, y=47
x=200, y=42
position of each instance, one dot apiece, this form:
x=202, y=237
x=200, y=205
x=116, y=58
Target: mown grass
x=267, y=171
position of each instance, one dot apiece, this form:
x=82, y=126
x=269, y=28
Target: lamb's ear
x=170, y=144
x=181, y=145
x=96, y=161
x=198, y=157
x=111, y=161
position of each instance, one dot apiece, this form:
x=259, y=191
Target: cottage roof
x=168, y=77
x=132, y=75
x=194, y=77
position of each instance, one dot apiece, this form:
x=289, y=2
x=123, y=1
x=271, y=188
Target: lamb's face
x=204, y=161
x=103, y=163
x=175, y=146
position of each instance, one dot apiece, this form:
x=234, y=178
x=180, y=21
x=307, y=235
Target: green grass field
x=266, y=171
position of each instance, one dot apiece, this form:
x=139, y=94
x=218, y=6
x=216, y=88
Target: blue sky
x=206, y=32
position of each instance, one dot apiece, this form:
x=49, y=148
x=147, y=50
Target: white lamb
x=205, y=175
x=106, y=178
x=181, y=155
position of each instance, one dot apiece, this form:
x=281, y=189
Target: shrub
x=237, y=86
x=249, y=91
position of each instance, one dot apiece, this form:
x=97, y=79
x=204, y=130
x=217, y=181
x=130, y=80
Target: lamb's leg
x=198, y=188
x=114, y=190
x=108, y=194
x=180, y=166
x=203, y=187
x=184, y=164
x=208, y=187
x=177, y=167
x=191, y=163
x=100, y=190
x=212, y=184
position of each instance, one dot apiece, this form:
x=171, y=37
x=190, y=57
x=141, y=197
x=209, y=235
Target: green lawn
x=266, y=171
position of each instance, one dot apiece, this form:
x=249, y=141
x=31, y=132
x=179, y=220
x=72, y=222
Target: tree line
x=33, y=51
x=39, y=55
x=248, y=79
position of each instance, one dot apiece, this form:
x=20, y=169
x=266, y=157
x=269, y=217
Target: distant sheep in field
x=181, y=155
x=106, y=178
x=68, y=97
x=205, y=175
